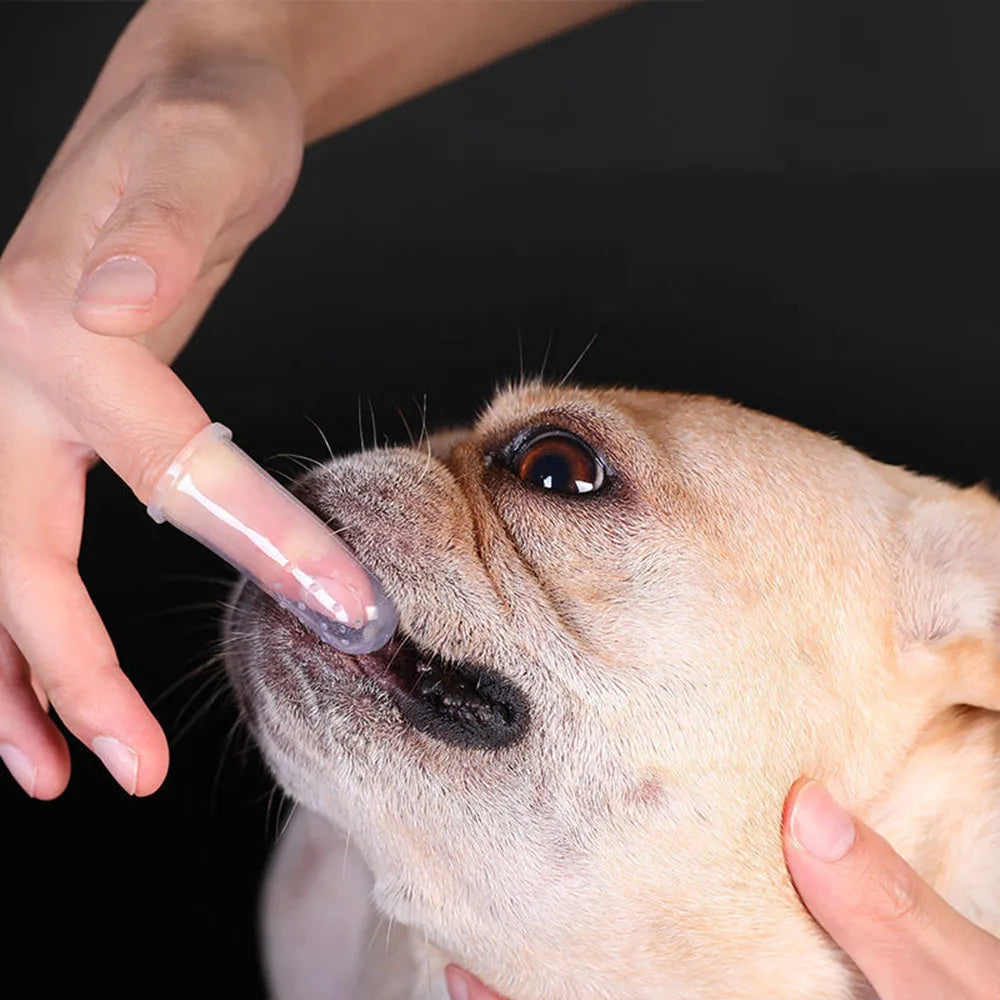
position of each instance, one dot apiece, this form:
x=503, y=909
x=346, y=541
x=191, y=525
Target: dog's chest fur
x=321, y=934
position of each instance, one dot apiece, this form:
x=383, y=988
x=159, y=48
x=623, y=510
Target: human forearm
x=349, y=59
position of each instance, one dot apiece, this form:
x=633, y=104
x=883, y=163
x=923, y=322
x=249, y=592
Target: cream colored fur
x=751, y=602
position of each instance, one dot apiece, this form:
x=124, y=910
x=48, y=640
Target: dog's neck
x=940, y=810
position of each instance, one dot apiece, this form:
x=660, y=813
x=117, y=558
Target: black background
x=791, y=204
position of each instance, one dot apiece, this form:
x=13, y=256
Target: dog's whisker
x=545, y=358
x=388, y=933
x=290, y=477
x=227, y=753
x=361, y=428
x=406, y=424
x=269, y=813
x=371, y=411
x=283, y=812
x=427, y=440
x=180, y=609
x=234, y=637
x=326, y=441
x=207, y=705
x=430, y=663
x=467, y=477
x=305, y=463
x=423, y=418
x=293, y=809
x=187, y=578
x=197, y=670
x=347, y=850
x=336, y=531
x=580, y=357
x=307, y=459
x=379, y=924
x=216, y=677
x=289, y=807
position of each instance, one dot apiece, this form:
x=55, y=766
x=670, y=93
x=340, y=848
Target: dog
x=629, y=621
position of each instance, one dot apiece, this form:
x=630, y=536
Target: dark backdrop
x=792, y=204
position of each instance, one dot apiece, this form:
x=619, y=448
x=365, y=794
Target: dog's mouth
x=456, y=702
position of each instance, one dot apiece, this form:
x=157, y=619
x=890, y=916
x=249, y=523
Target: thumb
x=903, y=936
x=191, y=203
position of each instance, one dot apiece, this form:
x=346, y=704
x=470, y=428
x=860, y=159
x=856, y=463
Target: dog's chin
x=460, y=703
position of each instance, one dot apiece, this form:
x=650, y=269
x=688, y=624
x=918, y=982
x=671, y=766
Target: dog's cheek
x=630, y=586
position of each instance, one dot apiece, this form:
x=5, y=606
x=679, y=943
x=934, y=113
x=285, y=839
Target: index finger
x=146, y=425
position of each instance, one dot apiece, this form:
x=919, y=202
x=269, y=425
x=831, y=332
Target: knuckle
x=180, y=106
x=157, y=212
x=33, y=290
x=144, y=468
x=890, y=895
x=80, y=693
x=67, y=693
x=24, y=572
x=23, y=280
x=199, y=109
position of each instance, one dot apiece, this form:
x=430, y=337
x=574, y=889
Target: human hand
x=187, y=148
x=901, y=934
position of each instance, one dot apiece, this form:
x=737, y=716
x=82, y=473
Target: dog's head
x=629, y=620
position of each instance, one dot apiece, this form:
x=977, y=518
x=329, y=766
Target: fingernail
x=119, y=283
x=457, y=987
x=20, y=767
x=819, y=825
x=120, y=760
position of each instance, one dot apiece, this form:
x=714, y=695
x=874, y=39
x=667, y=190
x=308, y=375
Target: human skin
x=187, y=148
x=909, y=943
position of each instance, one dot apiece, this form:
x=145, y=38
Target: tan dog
x=629, y=621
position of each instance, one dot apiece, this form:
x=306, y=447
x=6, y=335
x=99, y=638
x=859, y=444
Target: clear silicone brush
x=214, y=492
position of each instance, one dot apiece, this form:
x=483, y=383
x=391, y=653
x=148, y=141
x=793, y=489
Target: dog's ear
x=948, y=594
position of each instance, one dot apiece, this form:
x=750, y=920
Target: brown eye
x=559, y=462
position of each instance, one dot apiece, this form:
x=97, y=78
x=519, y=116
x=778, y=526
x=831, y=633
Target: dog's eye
x=558, y=461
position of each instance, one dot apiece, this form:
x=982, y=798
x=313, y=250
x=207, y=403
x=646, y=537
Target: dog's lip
x=457, y=702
